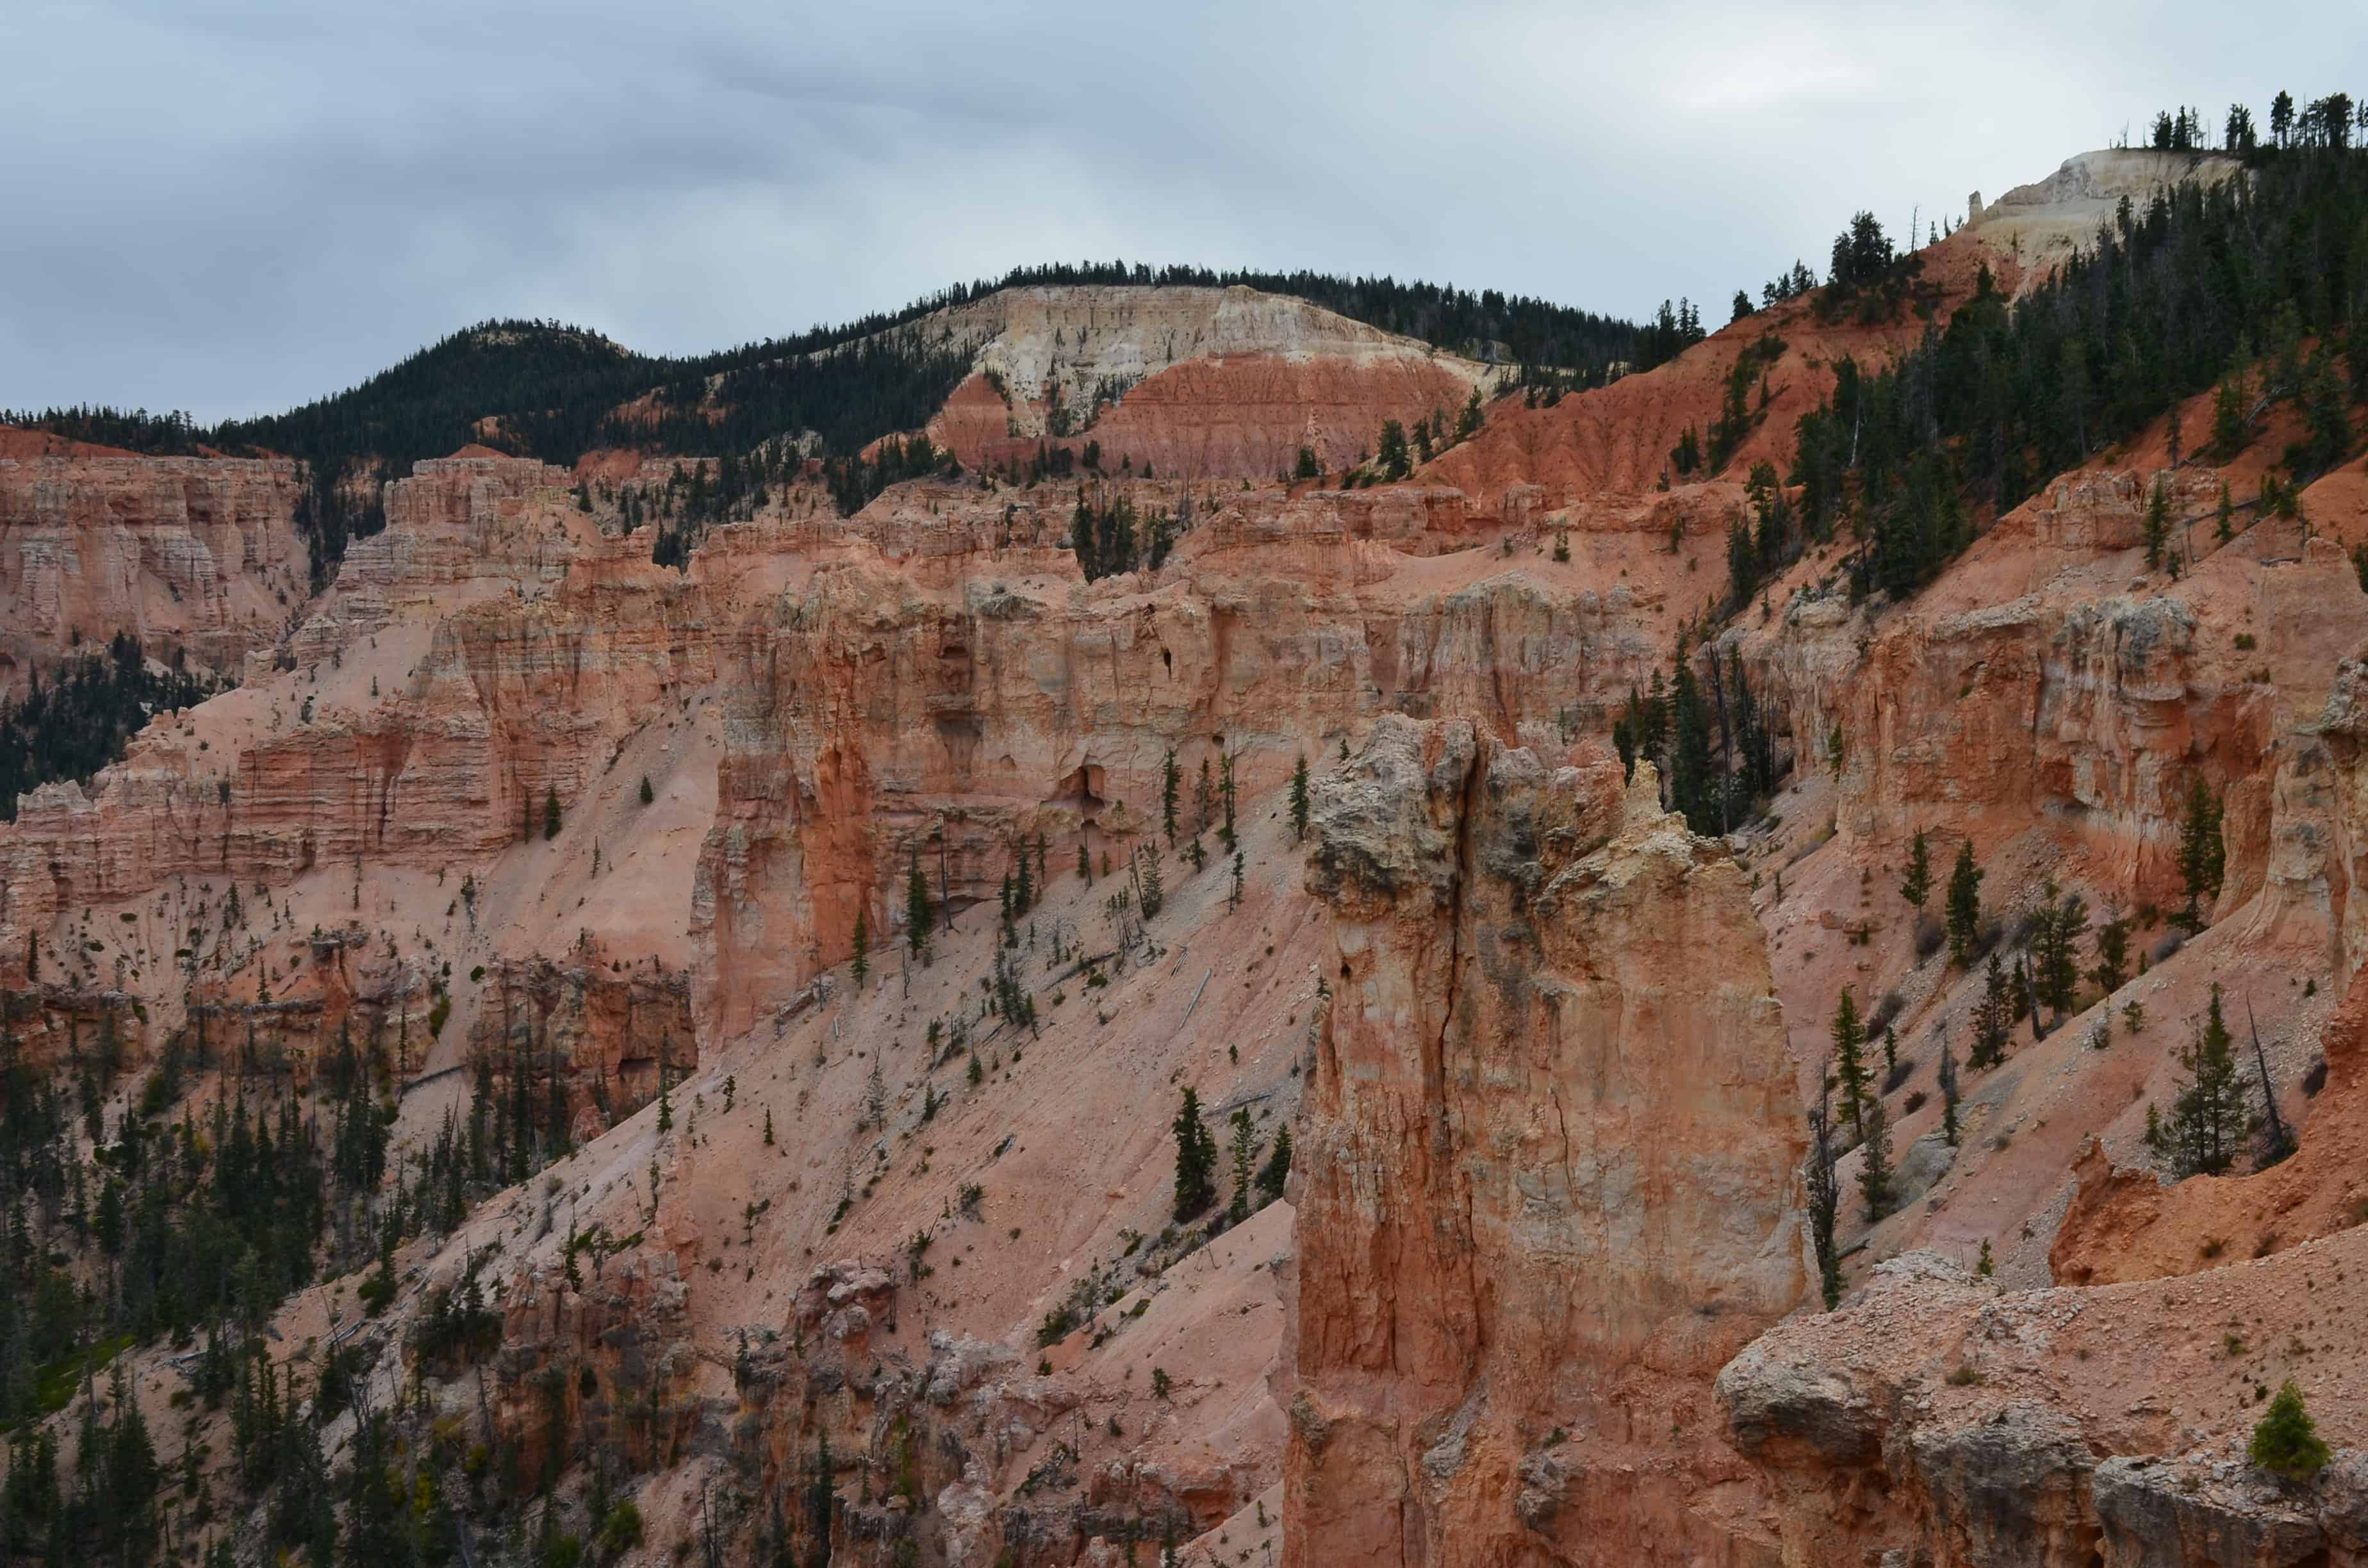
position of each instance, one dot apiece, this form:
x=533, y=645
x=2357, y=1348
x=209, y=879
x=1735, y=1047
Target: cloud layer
x=230, y=205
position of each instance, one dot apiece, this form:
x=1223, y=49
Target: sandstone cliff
x=1550, y=1169
x=197, y=553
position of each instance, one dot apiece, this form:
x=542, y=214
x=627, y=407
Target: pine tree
x=2286, y=1442
x=1277, y=1169
x=768, y=1127
x=1825, y=1195
x=551, y=812
x=1948, y=1095
x=1225, y=792
x=2158, y=522
x=1153, y=896
x=1205, y=800
x=2203, y=857
x=1196, y=1159
x=916, y=906
x=1850, y=1065
x=1874, y=1176
x=1964, y=907
x=2224, y=518
x=2210, y=1118
x=2055, y=951
x=1084, y=865
x=1235, y=902
x=862, y=948
x=1993, y=1019
x=1299, y=800
x=1916, y=886
x=2113, y=955
x=648, y=794
x=1170, y=775
x=1244, y=1148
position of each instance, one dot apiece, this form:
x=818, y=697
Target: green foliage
x=648, y=794
x=2202, y=854
x=862, y=948
x=2168, y=303
x=1875, y=1172
x=1964, y=907
x=1994, y=1017
x=1196, y=1159
x=1917, y=885
x=1277, y=1169
x=1848, y=1035
x=1299, y=802
x=551, y=812
x=2210, y=1117
x=85, y=716
x=1825, y=1196
x=916, y=906
x=2286, y=1442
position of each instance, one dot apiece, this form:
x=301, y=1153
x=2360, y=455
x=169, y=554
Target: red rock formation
x=198, y=553
x=1550, y=1169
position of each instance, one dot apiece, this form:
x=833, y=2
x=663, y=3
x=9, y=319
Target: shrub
x=2287, y=1443
x=1931, y=935
x=1913, y=1104
x=621, y=1530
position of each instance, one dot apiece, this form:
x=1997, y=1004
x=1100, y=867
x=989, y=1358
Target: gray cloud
x=233, y=206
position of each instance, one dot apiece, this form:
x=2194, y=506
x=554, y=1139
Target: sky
x=233, y=206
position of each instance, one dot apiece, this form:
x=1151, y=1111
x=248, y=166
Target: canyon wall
x=201, y=554
x=1549, y=1169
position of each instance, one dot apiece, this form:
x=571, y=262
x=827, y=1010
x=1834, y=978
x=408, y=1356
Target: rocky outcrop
x=1549, y=1162
x=1200, y=381
x=610, y=1029
x=201, y=554
x=1935, y=1419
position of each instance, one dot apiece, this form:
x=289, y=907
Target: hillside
x=1087, y=1007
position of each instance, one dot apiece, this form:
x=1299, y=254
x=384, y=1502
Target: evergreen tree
x=2286, y=1442
x=648, y=794
x=1916, y=886
x=1948, y=1094
x=1196, y=1159
x=1993, y=1019
x=2055, y=938
x=1235, y=902
x=1154, y=894
x=1277, y=1169
x=2210, y=1118
x=1964, y=907
x=2158, y=522
x=1244, y=1149
x=1299, y=800
x=1850, y=1064
x=1084, y=865
x=551, y=812
x=1825, y=1194
x=916, y=906
x=1394, y=461
x=1170, y=776
x=1874, y=1176
x=862, y=948
x=2203, y=857
x=2113, y=955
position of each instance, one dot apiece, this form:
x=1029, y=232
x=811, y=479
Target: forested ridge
x=546, y=389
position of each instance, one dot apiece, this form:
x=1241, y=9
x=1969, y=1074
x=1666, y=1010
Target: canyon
x=865, y=1238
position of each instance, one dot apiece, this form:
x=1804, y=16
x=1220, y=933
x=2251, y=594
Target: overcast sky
x=232, y=206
